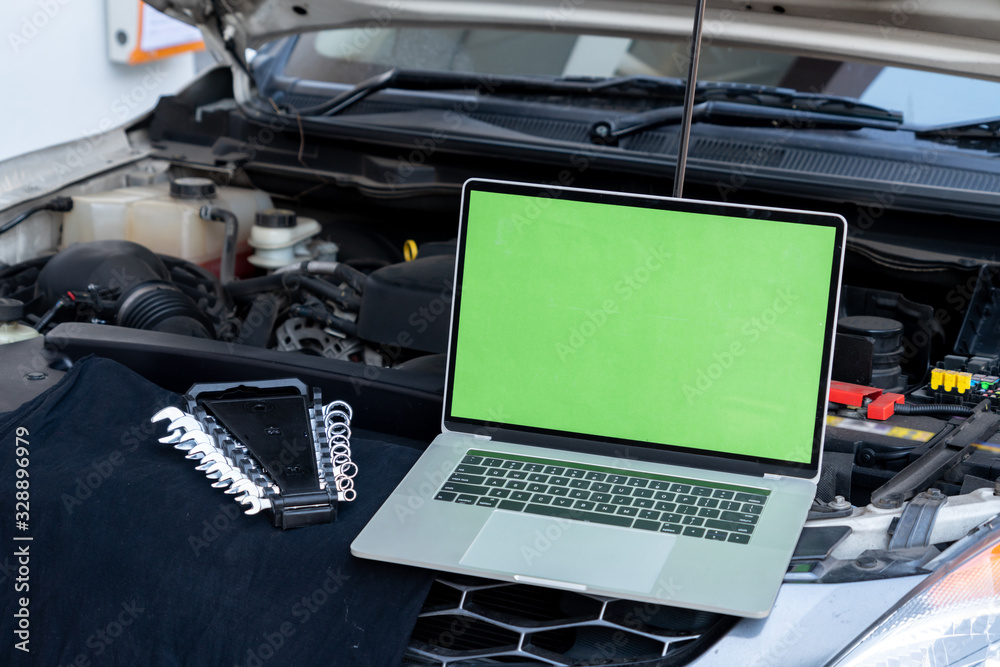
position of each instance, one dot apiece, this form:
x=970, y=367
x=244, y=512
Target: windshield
x=349, y=56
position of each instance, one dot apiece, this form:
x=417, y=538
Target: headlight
x=951, y=619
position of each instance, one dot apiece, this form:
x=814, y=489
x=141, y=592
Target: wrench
x=170, y=413
x=256, y=504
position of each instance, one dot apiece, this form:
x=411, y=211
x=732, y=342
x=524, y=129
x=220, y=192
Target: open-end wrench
x=170, y=413
x=256, y=504
x=193, y=438
x=245, y=485
x=186, y=422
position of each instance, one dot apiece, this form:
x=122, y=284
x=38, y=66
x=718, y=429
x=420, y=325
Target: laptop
x=635, y=398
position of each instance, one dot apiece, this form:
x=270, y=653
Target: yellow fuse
x=937, y=378
x=949, y=380
x=964, y=382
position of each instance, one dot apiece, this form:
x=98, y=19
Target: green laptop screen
x=664, y=327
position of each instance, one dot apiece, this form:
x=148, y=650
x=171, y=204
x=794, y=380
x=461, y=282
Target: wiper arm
x=985, y=129
x=736, y=114
x=444, y=80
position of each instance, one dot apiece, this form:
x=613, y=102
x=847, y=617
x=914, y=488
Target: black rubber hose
x=291, y=282
x=60, y=204
x=931, y=409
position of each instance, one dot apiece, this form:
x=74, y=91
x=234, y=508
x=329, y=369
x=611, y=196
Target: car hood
x=958, y=36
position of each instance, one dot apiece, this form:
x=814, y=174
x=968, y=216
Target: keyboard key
x=579, y=494
x=672, y=528
x=691, y=531
x=606, y=508
x=600, y=487
x=595, y=476
x=511, y=505
x=701, y=491
x=621, y=500
x=715, y=535
x=571, y=513
x=659, y=486
x=735, y=517
x=707, y=502
x=637, y=482
x=686, y=499
x=558, y=491
x=467, y=479
x=680, y=488
x=687, y=509
x=444, y=495
x=666, y=507
x=541, y=498
x=562, y=502
x=729, y=505
x=538, y=477
x=512, y=465
x=663, y=495
x=643, y=502
x=601, y=497
x=575, y=473
x=722, y=494
x=579, y=484
x=668, y=517
x=708, y=513
x=466, y=488
x=752, y=509
x=739, y=539
x=499, y=493
x=652, y=515
x=646, y=525
x=584, y=505
x=533, y=467
x=643, y=493
x=495, y=472
x=553, y=470
x=621, y=490
x=520, y=495
x=517, y=474
x=616, y=479
x=470, y=469
x=493, y=481
x=561, y=481
x=739, y=528
x=474, y=460
x=492, y=463
x=535, y=487
x=487, y=502
x=466, y=500
x=627, y=511
x=693, y=521
x=750, y=498
x=516, y=485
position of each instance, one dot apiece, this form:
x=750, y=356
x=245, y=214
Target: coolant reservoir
x=165, y=217
x=11, y=330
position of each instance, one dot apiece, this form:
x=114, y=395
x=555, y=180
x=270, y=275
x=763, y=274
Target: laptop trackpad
x=559, y=550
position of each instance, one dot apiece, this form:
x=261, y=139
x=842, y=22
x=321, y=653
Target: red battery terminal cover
x=881, y=407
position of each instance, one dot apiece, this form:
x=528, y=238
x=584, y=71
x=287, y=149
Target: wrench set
x=272, y=444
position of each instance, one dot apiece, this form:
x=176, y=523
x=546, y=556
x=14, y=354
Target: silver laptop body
x=635, y=398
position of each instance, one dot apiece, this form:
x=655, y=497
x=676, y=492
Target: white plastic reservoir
x=165, y=217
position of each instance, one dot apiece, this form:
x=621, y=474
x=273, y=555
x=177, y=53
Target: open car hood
x=957, y=37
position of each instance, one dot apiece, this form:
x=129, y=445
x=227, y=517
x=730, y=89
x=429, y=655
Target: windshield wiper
x=746, y=105
x=440, y=80
x=986, y=129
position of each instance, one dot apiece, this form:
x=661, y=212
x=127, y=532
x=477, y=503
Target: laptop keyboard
x=581, y=492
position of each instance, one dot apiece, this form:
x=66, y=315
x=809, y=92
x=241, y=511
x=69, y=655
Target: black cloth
x=136, y=560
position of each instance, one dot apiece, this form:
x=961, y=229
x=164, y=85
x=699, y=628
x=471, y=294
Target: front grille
x=471, y=621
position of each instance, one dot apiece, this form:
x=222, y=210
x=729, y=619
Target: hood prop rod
x=689, y=91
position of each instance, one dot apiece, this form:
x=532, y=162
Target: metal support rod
x=692, y=81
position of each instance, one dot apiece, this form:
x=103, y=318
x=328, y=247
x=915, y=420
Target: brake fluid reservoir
x=165, y=217
x=11, y=330
x=276, y=236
